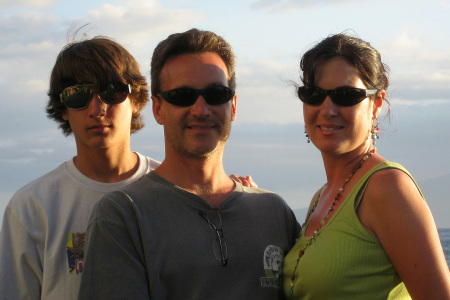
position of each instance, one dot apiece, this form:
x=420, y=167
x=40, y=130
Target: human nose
x=96, y=106
x=200, y=108
x=328, y=107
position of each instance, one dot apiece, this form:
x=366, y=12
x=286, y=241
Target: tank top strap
x=363, y=182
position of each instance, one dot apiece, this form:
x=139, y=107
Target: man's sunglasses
x=343, y=96
x=78, y=96
x=185, y=97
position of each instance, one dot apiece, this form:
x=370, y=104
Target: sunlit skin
x=195, y=136
x=392, y=208
x=102, y=136
x=336, y=129
x=201, y=129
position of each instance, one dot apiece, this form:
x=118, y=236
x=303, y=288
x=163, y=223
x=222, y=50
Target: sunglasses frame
x=334, y=95
x=104, y=95
x=195, y=93
x=220, y=238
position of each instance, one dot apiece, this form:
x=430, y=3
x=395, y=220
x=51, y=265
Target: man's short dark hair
x=190, y=42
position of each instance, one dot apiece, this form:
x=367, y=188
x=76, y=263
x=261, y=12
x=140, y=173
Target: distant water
x=444, y=234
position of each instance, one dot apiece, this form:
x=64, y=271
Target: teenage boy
x=96, y=93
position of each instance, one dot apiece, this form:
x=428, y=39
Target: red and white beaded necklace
x=322, y=223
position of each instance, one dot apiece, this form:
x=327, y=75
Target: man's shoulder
x=262, y=197
x=259, y=192
x=144, y=193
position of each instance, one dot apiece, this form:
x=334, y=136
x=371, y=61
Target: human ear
x=233, y=108
x=378, y=103
x=156, y=106
x=135, y=107
x=64, y=115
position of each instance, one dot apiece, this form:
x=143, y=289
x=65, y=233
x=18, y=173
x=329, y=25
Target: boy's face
x=100, y=125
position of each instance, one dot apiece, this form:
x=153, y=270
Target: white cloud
x=36, y=85
x=42, y=151
x=440, y=76
x=420, y=66
x=28, y=51
x=21, y=161
x=436, y=58
x=445, y=5
x=33, y=25
x=290, y=6
x=7, y=143
x=18, y=49
x=265, y=94
x=139, y=22
x=26, y=3
x=416, y=103
x=405, y=41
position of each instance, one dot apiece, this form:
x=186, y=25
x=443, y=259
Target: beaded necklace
x=316, y=232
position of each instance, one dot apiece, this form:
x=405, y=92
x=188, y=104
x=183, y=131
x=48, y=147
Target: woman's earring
x=307, y=136
x=375, y=130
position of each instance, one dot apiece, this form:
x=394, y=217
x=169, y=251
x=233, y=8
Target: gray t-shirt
x=155, y=240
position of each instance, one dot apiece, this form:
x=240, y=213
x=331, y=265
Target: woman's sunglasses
x=78, y=96
x=343, y=96
x=185, y=97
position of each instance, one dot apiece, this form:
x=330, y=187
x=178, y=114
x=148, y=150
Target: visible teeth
x=326, y=128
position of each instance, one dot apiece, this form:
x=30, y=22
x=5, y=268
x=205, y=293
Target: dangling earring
x=375, y=130
x=307, y=136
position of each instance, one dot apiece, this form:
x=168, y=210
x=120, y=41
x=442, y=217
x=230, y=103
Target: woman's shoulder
x=387, y=177
x=390, y=192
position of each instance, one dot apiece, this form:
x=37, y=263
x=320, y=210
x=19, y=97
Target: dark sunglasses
x=78, y=96
x=185, y=97
x=343, y=96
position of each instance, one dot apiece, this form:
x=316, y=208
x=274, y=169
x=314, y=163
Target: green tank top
x=344, y=261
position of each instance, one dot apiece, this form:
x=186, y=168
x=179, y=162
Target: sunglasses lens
x=180, y=97
x=76, y=97
x=347, y=96
x=186, y=96
x=115, y=94
x=343, y=96
x=218, y=95
x=311, y=95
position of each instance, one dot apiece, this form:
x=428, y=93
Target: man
x=186, y=230
x=96, y=93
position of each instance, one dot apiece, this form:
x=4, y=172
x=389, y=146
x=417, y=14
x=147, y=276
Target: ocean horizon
x=444, y=235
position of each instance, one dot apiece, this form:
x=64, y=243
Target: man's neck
x=204, y=177
x=106, y=165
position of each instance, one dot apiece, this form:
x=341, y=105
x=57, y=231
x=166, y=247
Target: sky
x=268, y=36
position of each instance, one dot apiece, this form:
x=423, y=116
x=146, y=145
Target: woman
x=368, y=233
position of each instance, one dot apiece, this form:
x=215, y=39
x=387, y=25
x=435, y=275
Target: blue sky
x=268, y=37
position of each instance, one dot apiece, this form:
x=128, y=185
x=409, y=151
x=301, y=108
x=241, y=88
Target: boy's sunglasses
x=343, y=96
x=78, y=96
x=185, y=97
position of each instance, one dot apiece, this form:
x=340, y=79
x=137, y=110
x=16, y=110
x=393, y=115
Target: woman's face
x=337, y=129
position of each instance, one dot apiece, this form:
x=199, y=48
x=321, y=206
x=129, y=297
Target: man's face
x=199, y=130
